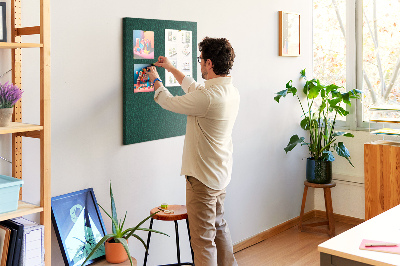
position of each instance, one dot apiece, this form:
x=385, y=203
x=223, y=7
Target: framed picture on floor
x=78, y=226
x=3, y=25
x=289, y=34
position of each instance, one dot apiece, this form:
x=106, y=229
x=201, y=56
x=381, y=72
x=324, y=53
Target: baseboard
x=271, y=232
x=289, y=224
x=340, y=218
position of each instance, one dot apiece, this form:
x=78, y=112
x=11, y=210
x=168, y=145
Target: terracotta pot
x=115, y=252
x=5, y=116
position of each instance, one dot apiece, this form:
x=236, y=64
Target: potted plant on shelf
x=116, y=243
x=9, y=95
x=324, y=105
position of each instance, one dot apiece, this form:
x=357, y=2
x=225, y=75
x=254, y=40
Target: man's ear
x=209, y=63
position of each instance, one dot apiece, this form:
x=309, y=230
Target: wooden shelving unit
x=8, y=45
x=381, y=174
x=42, y=131
x=24, y=208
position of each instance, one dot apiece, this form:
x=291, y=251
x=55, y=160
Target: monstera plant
x=323, y=105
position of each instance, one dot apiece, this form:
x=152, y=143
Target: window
x=363, y=54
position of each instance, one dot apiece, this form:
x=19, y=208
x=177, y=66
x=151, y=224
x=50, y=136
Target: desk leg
x=325, y=259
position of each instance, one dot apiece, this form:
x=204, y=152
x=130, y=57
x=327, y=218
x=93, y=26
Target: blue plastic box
x=9, y=193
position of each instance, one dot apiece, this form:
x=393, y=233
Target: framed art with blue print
x=78, y=226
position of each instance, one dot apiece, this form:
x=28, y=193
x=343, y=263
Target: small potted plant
x=324, y=105
x=9, y=95
x=116, y=243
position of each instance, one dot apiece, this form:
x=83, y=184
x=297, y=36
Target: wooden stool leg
x=148, y=243
x=303, y=204
x=178, y=251
x=329, y=211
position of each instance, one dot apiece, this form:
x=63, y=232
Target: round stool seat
x=180, y=213
x=308, y=184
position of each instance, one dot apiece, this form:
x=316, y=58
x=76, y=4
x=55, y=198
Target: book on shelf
x=11, y=245
x=32, y=250
x=18, y=232
x=5, y=234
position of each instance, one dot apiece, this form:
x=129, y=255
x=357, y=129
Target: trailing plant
x=9, y=95
x=320, y=121
x=119, y=235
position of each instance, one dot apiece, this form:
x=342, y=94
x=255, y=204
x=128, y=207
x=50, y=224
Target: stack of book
x=21, y=243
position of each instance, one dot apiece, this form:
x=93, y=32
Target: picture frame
x=78, y=226
x=289, y=34
x=3, y=22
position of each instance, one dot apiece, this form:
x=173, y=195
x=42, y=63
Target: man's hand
x=152, y=72
x=165, y=63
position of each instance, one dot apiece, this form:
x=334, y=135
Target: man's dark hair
x=220, y=52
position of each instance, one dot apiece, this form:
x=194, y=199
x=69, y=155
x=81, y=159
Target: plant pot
x=115, y=252
x=319, y=172
x=6, y=116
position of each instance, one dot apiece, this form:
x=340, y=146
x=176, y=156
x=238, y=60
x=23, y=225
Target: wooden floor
x=290, y=247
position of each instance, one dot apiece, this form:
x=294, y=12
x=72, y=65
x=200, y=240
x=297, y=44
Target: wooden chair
x=311, y=227
x=180, y=213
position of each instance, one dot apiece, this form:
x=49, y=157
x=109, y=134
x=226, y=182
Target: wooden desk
x=105, y=263
x=344, y=248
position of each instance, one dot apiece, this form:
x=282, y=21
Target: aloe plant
x=119, y=234
x=320, y=124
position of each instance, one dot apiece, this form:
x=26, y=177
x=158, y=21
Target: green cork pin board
x=144, y=40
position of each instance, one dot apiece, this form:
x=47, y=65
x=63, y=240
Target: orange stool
x=179, y=213
x=328, y=207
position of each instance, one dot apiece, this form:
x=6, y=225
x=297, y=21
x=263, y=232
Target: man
x=207, y=154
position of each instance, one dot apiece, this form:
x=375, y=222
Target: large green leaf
x=283, y=93
x=346, y=98
x=309, y=85
x=327, y=156
x=334, y=102
x=294, y=140
x=313, y=92
x=341, y=111
x=113, y=211
x=343, y=151
x=331, y=87
x=355, y=93
x=280, y=94
x=305, y=123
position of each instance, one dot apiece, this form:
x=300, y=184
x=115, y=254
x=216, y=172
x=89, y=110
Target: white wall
x=87, y=150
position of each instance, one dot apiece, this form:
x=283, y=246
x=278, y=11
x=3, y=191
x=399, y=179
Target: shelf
x=16, y=127
x=9, y=45
x=387, y=131
x=385, y=107
x=24, y=208
x=385, y=120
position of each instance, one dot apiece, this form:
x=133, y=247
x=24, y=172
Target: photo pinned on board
x=143, y=44
x=141, y=79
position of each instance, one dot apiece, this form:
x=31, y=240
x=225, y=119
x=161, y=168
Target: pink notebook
x=393, y=249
